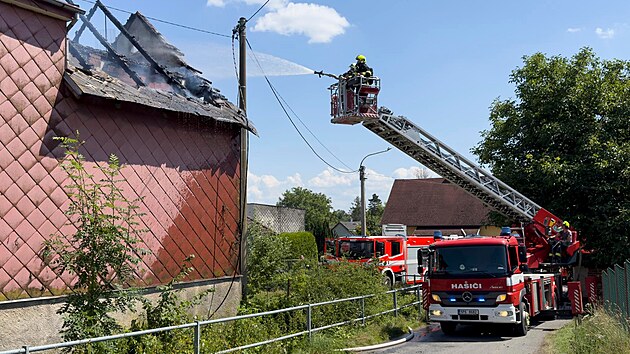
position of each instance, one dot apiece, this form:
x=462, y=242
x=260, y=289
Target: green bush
x=266, y=261
x=302, y=245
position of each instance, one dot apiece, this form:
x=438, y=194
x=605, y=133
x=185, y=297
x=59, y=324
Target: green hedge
x=301, y=244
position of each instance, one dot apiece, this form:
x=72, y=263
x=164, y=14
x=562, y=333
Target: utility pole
x=363, y=217
x=242, y=104
x=362, y=179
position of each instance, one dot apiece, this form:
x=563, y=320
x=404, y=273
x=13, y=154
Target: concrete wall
x=277, y=219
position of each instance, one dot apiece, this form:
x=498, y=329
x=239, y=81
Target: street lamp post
x=362, y=179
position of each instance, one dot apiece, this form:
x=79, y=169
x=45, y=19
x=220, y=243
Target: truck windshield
x=476, y=261
x=356, y=249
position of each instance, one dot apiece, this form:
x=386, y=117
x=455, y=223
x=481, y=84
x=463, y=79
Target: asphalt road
x=475, y=340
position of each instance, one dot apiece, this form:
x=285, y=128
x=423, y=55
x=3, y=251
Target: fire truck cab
x=397, y=256
x=486, y=280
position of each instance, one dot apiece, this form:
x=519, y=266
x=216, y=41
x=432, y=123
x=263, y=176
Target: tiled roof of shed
x=99, y=84
x=432, y=202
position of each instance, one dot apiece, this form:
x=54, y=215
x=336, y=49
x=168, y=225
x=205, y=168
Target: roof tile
x=432, y=202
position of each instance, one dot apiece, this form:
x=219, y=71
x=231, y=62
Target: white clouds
x=328, y=179
x=267, y=189
x=605, y=34
x=217, y=3
x=573, y=30
x=413, y=172
x=317, y=22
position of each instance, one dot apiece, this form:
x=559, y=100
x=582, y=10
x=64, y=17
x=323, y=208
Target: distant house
x=430, y=204
x=178, y=137
x=346, y=228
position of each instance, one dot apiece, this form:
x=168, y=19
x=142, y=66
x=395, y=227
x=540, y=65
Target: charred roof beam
x=112, y=52
x=75, y=52
x=89, y=15
x=154, y=64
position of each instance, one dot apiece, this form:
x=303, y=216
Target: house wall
x=186, y=173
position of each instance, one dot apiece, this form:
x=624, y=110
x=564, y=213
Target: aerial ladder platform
x=354, y=101
x=353, y=105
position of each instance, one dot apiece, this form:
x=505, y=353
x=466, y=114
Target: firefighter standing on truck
x=565, y=238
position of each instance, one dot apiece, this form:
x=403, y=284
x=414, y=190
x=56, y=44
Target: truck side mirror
x=420, y=270
x=522, y=254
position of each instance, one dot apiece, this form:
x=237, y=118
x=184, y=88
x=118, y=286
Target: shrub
x=302, y=245
x=266, y=259
x=102, y=253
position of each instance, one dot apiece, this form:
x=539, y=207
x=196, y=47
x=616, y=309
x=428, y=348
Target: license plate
x=468, y=312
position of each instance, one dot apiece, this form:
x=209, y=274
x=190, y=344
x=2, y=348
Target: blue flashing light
x=482, y=299
x=452, y=299
x=505, y=231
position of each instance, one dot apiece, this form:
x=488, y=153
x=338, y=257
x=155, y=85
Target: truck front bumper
x=505, y=313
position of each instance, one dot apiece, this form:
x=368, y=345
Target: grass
x=601, y=332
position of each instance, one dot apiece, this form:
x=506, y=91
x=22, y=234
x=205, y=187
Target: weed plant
x=601, y=332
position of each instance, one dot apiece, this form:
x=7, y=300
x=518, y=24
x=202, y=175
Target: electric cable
x=163, y=21
x=280, y=101
x=260, y=8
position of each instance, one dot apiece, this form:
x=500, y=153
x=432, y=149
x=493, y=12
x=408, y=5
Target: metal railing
x=197, y=326
x=616, y=289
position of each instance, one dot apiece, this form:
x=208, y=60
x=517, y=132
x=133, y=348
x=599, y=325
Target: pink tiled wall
x=185, y=171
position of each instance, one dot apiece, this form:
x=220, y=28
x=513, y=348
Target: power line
x=164, y=21
x=260, y=8
x=280, y=100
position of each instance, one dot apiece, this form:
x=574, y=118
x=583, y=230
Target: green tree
x=339, y=215
x=102, y=253
x=318, y=206
x=355, y=209
x=374, y=214
x=564, y=142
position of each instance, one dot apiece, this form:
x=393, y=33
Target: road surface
x=473, y=340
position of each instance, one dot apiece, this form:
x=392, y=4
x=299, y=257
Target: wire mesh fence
x=616, y=289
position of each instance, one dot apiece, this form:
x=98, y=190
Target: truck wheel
x=388, y=280
x=520, y=329
x=448, y=328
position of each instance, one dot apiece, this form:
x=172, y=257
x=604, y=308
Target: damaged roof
x=141, y=67
x=99, y=84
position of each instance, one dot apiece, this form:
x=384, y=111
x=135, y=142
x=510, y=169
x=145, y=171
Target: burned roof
x=99, y=84
x=141, y=67
x=432, y=202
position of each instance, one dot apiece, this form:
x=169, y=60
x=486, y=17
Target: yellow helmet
x=361, y=57
x=566, y=223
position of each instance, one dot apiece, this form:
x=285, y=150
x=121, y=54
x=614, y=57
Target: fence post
x=308, y=322
x=363, y=311
x=419, y=302
x=197, y=339
x=626, y=271
x=26, y=349
x=621, y=289
x=396, y=302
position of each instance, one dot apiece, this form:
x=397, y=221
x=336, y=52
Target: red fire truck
x=397, y=256
x=502, y=280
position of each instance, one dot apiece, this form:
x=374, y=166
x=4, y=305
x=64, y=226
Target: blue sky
x=441, y=64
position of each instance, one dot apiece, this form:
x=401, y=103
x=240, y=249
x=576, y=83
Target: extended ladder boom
x=432, y=153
